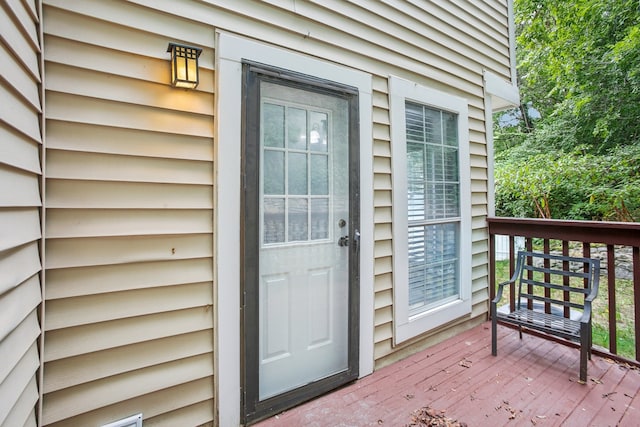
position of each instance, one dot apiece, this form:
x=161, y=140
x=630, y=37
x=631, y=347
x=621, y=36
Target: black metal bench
x=553, y=295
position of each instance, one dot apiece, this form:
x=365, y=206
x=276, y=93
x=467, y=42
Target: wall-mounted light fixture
x=184, y=65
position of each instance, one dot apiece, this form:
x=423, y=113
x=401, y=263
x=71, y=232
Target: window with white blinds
x=433, y=199
x=431, y=208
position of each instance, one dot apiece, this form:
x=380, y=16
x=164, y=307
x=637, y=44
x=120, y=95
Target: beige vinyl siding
x=129, y=230
x=20, y=202
x=129, y=227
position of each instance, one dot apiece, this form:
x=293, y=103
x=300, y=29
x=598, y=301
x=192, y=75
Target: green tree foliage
x=579, y=62
x=574, y=185
x=579, y=67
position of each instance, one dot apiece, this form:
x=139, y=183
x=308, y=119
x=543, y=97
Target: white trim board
x=231, y=50
x=504, y=94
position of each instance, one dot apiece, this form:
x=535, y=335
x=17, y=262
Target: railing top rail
x=610, y=233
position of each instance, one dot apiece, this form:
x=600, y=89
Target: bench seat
x=549, y=323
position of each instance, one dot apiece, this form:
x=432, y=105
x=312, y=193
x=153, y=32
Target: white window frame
x=406, y=326
x=231, y=50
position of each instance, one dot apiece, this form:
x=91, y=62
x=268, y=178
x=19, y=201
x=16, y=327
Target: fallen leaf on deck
x=465, y=363
x=429, y=417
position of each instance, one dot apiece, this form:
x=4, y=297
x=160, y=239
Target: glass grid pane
x=298, y=212
x=273, y=172
x=414, y=122
x=273, y=125
x=274, y=220
x=319, y=174
x=318, y=133
x=297, y=173
x=297, y=128
x=320, y=218
x=450, y=121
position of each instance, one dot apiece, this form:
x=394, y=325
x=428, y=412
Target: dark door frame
x=253, y=75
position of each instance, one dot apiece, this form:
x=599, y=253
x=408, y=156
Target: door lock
x=343, y=241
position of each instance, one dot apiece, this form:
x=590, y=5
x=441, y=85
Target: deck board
x=530, y=382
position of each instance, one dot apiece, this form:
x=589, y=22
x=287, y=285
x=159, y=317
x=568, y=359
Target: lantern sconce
x=184, y=65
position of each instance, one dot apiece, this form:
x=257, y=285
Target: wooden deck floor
x=533, y=382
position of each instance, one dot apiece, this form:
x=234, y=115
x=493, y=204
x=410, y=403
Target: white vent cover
x=132, y=421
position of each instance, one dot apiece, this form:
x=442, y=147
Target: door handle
x=344, y=240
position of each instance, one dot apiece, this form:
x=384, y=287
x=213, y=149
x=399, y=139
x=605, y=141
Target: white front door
x=304, y=279
x=297, y=275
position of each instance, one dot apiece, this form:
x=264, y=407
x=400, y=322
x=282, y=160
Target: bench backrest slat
x=577, y=289
x=552, y=301
x=584, y=275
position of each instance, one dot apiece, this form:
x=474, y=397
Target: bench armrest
x=594, y=288
x=586, y=314
x=501, y=286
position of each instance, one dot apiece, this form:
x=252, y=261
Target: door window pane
x=297, y=128
x=273, y=172
x=319, y=219
x=273, y=125
x=298, y=220
x=318, y=133
x=274, y=220
x=297, y=173
x=319, y=174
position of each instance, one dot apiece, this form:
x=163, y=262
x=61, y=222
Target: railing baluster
x=492, y=266
x=566, y=296
x=547, y=277
x=636, y=296
x=586, y=253
x=611, y=287
x=512, y=269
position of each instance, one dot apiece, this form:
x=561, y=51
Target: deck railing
x=613, y=242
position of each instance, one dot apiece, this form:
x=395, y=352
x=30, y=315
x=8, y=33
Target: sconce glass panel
x=184, y=65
